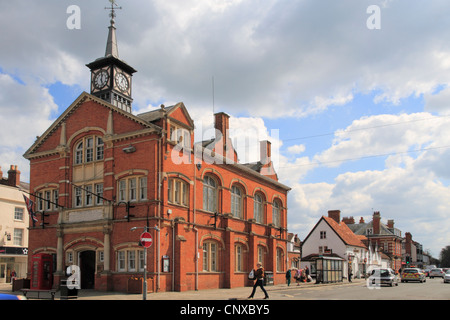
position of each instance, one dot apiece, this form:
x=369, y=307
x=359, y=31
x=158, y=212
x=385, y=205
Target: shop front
x=13, y=262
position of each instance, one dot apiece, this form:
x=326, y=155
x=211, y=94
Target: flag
x=29, y=204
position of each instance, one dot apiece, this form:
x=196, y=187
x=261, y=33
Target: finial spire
x=111, y=45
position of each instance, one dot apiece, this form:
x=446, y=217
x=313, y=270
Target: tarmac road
x=209, y=294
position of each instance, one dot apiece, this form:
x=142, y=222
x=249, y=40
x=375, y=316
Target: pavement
x=209, y=294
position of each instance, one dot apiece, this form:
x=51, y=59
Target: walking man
x=259, y=275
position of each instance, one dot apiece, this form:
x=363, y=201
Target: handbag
x=251, y=275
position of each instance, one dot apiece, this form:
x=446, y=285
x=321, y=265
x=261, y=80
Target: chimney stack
x=13, y=176
x=361, y=220
x=335, y=215
x=222, y=126
x=348, y=220
x=265, y=152
x=376, y=222
x=390, y=224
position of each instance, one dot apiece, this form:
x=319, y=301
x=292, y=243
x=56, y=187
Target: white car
x=438, y=272
x=447, y=276
x=381, y=276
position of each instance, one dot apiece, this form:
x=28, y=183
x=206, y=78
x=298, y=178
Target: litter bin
x=66, y=292
x=268, y=278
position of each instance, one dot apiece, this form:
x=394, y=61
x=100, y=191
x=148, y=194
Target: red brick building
x=380, y=236
x=98, y=171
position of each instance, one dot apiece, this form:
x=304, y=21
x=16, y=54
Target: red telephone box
x=42, y=271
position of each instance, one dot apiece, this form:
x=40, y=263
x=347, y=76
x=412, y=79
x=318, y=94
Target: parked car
x=438, y=272
x=413, y=274
x=447, y=276
x=383, y=276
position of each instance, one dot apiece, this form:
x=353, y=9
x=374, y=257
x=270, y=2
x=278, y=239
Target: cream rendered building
x=14, y=222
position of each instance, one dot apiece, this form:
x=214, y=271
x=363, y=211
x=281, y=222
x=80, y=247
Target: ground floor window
x=210, y=256
x=130, y=260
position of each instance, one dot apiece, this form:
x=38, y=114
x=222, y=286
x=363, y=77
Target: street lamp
x=144, y=291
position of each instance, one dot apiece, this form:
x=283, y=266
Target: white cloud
x=386, y=134
x=24, y=113
x=439, y=102
x=296, y=149
x=409, y=189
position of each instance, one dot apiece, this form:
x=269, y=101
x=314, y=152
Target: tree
x=445, y=257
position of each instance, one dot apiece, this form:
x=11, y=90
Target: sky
x=353, y=94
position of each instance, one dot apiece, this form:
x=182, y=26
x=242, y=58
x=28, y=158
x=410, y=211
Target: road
x=432, y=289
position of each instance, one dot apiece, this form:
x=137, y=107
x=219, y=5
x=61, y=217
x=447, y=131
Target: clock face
x=101, y=79
x=122, y=82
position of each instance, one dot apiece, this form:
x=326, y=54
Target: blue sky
x=310, y=71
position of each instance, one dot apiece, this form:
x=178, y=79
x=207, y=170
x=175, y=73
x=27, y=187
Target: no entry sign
x=146, y=239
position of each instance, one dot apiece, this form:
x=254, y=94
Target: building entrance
x=2, y=272
x=87, y=269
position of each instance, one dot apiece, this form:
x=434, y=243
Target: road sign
x=146, y=239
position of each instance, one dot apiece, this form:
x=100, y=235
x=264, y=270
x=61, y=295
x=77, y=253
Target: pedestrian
x=308, y=277
x=297, y=276
x=259, y=275
x=350, y=273
x=288, y=277
x=13, y=275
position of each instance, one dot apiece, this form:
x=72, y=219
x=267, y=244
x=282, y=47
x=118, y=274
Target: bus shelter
x=326, y=268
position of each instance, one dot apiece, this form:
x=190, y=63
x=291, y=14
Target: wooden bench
x=52, y=293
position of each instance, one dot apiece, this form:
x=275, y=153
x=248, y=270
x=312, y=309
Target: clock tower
x=110, y=76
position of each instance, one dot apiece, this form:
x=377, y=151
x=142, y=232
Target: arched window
x=132, y=188
x=79, y=153
x=258, y=208
x=209, y=194
x=276, y=213
x=236, y=202
x=89, y=149
x=210, y=256
x=130, y=260
x=280, y=260
x=178, y=192
x=239, y=257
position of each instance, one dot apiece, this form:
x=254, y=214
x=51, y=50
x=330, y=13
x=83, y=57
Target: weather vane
x=112, y=8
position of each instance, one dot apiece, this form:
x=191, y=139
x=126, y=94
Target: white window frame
x=210, y=191
x=132, y=188
x=258, y=208
x=236, y=202
x=18, y=213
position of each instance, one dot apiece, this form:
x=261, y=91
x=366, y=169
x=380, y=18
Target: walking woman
x=259, y=276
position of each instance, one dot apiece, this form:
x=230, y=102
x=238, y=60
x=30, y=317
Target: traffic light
x=407, y=258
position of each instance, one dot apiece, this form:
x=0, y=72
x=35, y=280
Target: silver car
x=437, y=272
x=381, y=276
x=447, y=276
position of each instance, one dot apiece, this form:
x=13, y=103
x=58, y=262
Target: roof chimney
x=361, y=220
x=13, y=176
x=390, y=224
x=376, y=222
x=348, y=220
x=222, y=126
x=265, y=152
x=335, y=215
